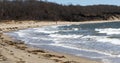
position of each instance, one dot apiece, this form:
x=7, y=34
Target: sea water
x=95, y=41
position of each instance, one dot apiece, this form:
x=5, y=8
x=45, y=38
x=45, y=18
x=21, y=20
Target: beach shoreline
x=19, y=25
x=16, y=52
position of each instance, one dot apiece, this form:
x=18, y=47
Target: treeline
x=43, y=10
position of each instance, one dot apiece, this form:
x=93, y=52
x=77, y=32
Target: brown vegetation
x=40, y=10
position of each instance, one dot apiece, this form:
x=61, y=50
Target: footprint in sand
x=70, y=62
x=20, y=62
x=2, y=58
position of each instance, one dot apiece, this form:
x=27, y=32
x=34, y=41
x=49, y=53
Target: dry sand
x=18, y=52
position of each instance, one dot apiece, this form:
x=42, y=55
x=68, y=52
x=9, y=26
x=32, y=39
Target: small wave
x=75, y=29
x=20, y=34
x=47, y=29
x=64, y=36
x=109, y=31
x=109, y=40
x=102, y=42
x=34, y=38
x=96, y=51
x=103, y=39
x=42, y=30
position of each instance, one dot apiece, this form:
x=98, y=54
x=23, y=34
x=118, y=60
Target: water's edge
x=54, y=33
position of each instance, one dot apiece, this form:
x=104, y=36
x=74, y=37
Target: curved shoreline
x=14, y=26
x=11, y=49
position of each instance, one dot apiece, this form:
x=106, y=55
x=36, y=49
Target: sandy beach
x=12, y=51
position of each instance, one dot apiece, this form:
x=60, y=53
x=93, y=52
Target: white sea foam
x=109, y=31
x=20, y=34
x=109, y=40
x=36, y=44
x=47, y=29
x=35, y=37
x=57, y=39
x=104, y=39
x=42, y=30
x=75, y=29
x=54, y=26
x=64, y=36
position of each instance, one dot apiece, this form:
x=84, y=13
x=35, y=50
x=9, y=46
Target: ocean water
x=95, y=41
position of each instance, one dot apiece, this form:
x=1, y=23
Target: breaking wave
x=98, y=40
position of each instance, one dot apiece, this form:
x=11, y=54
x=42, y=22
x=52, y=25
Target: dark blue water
x=95, y=41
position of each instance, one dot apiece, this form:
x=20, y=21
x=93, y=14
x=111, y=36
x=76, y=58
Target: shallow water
x=95, y=41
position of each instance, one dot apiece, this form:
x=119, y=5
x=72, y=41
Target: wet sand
x=12, y=51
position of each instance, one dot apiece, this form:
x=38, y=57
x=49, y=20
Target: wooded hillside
x=42, y=10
